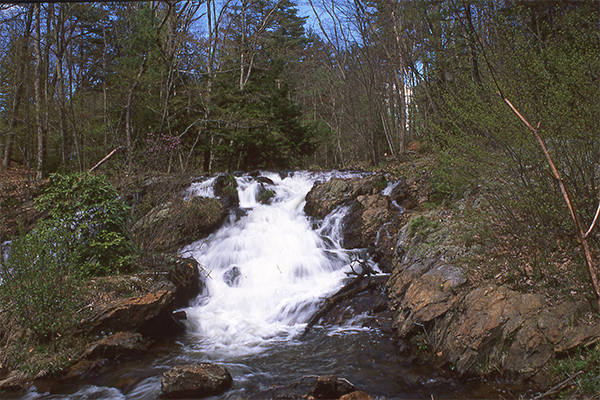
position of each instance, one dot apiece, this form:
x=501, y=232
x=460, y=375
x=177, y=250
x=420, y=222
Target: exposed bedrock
x=473, y=327
x=478, y=328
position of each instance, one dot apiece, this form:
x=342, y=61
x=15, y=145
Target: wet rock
x=371, y=305
x=401, y=195
x=225, y=187
x=366, y=217
x=331, y=387
x=87, y=367
x=15, y=381
x=195, y=381
x=120, y=344
x=184, y=273
x=149, y=314
x=373, y=223
x=180, y=315
x=232, y=277
x=358, y=395
x=264, y=180
x=325, y=196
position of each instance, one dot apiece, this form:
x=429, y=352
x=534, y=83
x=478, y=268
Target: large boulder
x=225, y=187
x=113, y=347
x=184, y=273
x=373, y=223
x=150, y=314
x=326, y=196
x=195, y=381
x=120, y=344
x=177, y=222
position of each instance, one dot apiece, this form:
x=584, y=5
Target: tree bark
x=19, y=85
x=128, y=109
x=38, y=94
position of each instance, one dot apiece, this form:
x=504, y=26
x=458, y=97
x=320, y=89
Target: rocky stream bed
x=441, y=313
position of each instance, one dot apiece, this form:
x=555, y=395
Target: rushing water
x=266, y=270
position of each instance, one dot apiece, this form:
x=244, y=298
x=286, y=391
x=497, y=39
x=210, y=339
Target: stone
x=358, y=395
x=195, y=381
x=150, y=314
x=184, y=273
x=15, y=381
x=331, y=387
x=176, y=222
x=372, y=223
x=117, y=345
x=85, y=368
x=324, y=197
x=225, y=187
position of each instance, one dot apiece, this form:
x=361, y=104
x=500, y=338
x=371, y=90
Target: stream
x=266, y=271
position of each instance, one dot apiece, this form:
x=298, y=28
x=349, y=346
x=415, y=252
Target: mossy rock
x=178, y=222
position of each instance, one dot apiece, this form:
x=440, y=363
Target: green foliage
x=421, y=225
x=265, y=128
x=97, y=217
x=549, y=72
x=40, y=281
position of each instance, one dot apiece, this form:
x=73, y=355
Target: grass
x=582, y=372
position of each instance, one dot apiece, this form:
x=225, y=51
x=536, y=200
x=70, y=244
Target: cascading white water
x=265, y=272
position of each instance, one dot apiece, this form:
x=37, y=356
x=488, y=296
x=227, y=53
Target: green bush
x=40, y=282
x=97, y=217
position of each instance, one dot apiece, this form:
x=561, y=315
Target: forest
x=486, y=112
x=207, y=86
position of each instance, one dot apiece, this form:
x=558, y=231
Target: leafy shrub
x=40, y=282
x=97, y=217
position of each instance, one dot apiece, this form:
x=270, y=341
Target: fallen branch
x=349, y=290
x=558, y=387
x=106, y=158
x=594, y=221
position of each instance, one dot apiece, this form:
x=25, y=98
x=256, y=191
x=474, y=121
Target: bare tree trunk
x=59, y=27
x=472, y=43
x=19, y=85
x=128, y=129
x=38, y=93
x=105, y=89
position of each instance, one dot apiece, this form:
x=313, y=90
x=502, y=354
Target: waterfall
x=265, y=272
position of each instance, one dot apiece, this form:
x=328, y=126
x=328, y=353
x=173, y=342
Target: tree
x=19, y=59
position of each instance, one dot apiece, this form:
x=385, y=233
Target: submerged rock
x=331, y=387
x=195, y=381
